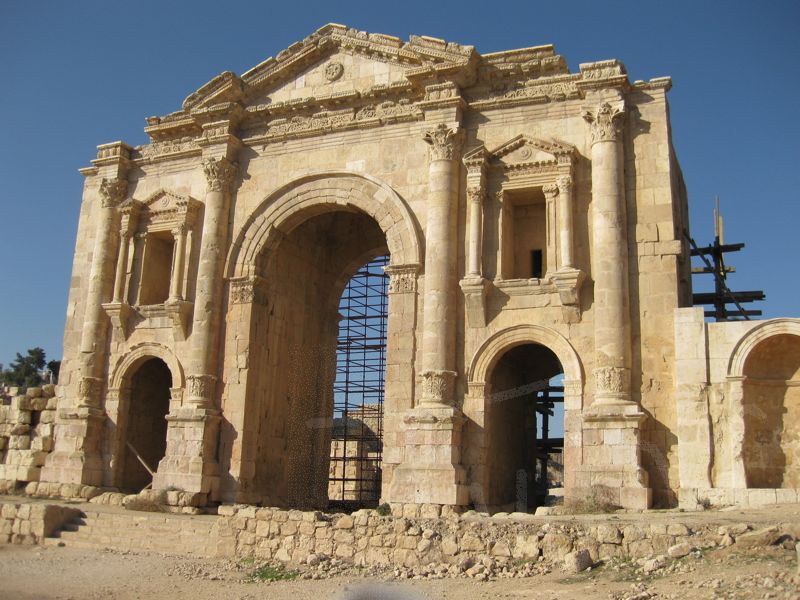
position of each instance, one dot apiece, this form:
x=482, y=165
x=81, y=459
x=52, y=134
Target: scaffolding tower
x=357, y=441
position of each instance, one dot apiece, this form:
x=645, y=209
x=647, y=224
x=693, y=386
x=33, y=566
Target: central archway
x=300, y=248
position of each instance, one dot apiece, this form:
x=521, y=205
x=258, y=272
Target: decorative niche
x=152, y=264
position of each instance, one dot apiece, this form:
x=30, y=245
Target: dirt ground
x=35, y=572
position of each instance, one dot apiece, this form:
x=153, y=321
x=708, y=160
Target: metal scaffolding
x=357, y=441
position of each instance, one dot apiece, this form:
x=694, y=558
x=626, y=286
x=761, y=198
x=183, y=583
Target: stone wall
x=367, y=539
x=30, y=523
x=26, y=432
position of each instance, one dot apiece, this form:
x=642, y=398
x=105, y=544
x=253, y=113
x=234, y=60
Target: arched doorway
x=293, y=363
x=144, y=436
x=524, y=429
x=771, y=403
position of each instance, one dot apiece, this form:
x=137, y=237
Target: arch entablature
x=316, y=194
x=754, y=337
x=495, y=346
x=127, y=364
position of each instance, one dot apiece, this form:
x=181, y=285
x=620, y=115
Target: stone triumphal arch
x=533, y=221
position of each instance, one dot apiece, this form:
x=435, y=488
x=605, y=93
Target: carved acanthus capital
x=113, y=192
x=179, y=230
x=611, y=381
x=475, y=194
x=564, y=183
x=248, y=290
x=605, y=121
x=402, y=278
x=550, y=191
x=220, y=173
x=444, y=141
x=438, y=386
x=201, y=388
x=89, y=391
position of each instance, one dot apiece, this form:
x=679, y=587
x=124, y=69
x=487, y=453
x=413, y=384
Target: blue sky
x=77, y=74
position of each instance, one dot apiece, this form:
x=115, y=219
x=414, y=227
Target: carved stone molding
x=402, y=278
x=220, y=174
x=606, y=121
x=179, y=312
x=444, y=141
x=612, y=381
x=248, y=290
x=89, y=391
x=113, y=192
x=438, y=386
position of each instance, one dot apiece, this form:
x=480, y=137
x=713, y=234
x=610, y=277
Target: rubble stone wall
x=367, y=539
x=26, y=432
x=25, y=523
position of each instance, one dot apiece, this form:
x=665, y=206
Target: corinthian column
x=95, y=325
x=438, y=340
x=208, y=295
x=609, y=255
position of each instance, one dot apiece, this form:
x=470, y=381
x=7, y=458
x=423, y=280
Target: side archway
x=130, y=362
x=742, y=350
x=498, y=422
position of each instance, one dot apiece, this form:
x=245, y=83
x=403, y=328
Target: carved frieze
x=444, y=141
x=169, y=147
x=220, y=173
x=605, y=121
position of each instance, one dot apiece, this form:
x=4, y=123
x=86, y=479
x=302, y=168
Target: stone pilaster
x=77, y=456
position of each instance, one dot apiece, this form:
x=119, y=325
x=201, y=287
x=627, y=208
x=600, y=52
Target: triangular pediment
x=526, y=149
x=336, y=60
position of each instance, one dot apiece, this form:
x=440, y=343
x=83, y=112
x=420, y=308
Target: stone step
x=175, y=534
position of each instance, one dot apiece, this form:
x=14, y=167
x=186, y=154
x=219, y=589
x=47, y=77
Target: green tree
x=25, y=371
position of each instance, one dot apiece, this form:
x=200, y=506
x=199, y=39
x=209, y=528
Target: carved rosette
x=248, y=290
x=113, y=192
x=219, y=174
x=402, y=278
x=200, y=388
x=611, y=381
x=89, y=390
x=438, y=386
x=444, y=141
x=605, y=121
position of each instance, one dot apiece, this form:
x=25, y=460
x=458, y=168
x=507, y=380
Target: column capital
x=475, y=194
x=179, y=230
x=550, y=190
x=564, y=183
x=438, y=386
x=612, y=382
x=606, y=121
x=444, y=141
x=89, y=391
x=220, y=173
x=201, y=389
x=113, y=192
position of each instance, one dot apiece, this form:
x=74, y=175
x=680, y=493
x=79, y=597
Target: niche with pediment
x=152, y=265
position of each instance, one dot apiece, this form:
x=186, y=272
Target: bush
x=272, y=573
x=383, y=510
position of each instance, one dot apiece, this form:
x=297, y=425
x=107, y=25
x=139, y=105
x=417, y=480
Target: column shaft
x=122, y=267
x=565, y=226
x=610, y=258
x=475, y=232
x=176, y=281
x=438, y=342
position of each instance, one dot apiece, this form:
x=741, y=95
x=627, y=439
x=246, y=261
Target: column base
x=431, y=472
x=190, y=464
x=611, y=471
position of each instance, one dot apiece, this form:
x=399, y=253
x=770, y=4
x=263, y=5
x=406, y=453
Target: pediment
x=164, y=206
x=336, y=60
x=527, y=150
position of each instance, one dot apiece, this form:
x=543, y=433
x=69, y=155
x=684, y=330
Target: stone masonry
x=534, y=218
